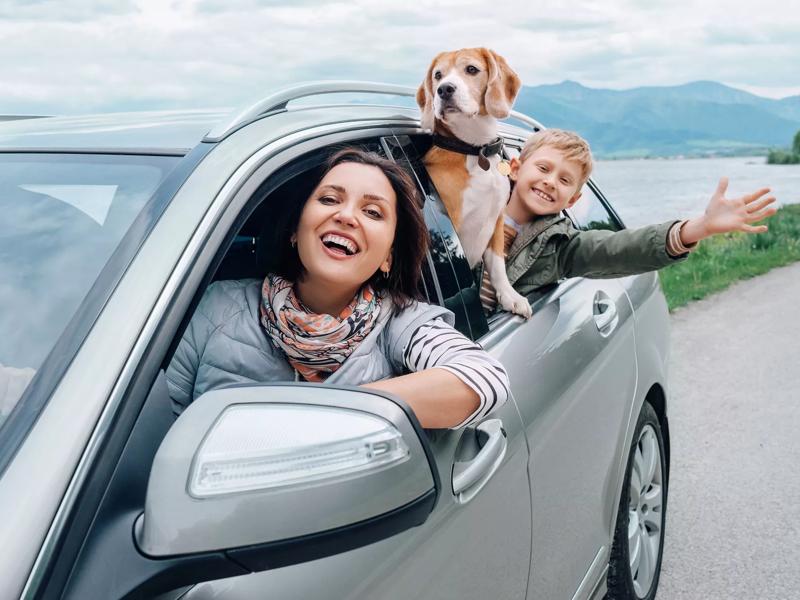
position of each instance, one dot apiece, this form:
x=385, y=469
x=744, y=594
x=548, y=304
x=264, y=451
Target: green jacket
x=550, y=248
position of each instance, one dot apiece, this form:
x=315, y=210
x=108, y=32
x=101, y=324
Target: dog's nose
x=446, y=91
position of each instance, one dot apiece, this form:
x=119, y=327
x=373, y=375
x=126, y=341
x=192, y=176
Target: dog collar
x=482, y=152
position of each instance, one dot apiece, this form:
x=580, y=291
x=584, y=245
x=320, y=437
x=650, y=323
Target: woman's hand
x=724, y=215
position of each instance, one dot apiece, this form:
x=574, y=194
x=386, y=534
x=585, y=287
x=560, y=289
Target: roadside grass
x=724, y=259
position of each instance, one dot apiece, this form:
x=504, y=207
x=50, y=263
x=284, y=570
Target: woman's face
x=347, y=226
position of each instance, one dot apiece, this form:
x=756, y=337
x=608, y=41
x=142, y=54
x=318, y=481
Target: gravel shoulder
x=732, y=522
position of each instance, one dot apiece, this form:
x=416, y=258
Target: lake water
x=651, y=191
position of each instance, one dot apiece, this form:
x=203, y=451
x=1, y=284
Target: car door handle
x=605, y=313
x=470, y=476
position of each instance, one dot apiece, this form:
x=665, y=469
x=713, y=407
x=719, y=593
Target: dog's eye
x=437, y=76
x=472, y=70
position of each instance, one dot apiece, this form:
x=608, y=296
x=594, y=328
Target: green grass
x=724, y=259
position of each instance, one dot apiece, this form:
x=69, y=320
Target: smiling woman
x=340, y=306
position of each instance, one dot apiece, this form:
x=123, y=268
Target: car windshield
x=63, y=216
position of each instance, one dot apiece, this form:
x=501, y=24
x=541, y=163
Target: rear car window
x=63, y=217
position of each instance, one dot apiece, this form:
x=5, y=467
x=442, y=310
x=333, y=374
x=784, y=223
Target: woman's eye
x=373, y=213
x=543, y=169
x=472, y=70
x=437, y=76
x=327, y=199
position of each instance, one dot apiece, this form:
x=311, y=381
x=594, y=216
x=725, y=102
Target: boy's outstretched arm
x=724, y=215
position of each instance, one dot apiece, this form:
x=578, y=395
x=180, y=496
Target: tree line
x=783, y=157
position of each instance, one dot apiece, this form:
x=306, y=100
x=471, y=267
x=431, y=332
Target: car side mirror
x=265, y=476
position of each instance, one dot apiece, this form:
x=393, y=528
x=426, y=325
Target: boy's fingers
x=758, y=205
x=755, y=195
x=753, y=228
x=722, y=186
x=762, y=214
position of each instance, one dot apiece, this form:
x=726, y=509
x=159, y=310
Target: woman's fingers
x=757, y=205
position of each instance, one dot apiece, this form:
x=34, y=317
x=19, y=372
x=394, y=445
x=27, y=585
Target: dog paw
x=515, y=303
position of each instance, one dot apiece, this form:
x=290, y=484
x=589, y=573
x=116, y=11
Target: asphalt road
x=733, y=521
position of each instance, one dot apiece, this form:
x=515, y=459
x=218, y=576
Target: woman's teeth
x=333, y=241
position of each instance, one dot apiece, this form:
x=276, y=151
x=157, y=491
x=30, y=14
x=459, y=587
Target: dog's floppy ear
x=425, y=97
x=502, y=87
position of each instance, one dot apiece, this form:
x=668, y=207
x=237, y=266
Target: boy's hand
x=724, y=215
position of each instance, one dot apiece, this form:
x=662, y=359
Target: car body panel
x=578, y=387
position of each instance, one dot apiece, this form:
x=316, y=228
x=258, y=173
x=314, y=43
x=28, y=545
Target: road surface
x=733, y=521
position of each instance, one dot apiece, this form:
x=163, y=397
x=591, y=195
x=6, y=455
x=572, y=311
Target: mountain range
x=702, y=118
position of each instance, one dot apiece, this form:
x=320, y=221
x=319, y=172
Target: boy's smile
x=544, y=184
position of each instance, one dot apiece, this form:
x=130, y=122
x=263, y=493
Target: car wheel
x=635, y=563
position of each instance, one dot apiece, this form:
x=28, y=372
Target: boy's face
x=546, y=183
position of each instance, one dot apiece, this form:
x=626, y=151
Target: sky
x=82, y=56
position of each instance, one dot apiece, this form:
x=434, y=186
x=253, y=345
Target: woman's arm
x=438, y=398
x=453, y=380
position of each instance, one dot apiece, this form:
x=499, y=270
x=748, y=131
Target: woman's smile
x=339, y=245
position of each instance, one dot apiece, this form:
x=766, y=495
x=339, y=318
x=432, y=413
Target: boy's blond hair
x=573, y=146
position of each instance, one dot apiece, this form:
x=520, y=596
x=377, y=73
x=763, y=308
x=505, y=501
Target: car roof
x=165, y=131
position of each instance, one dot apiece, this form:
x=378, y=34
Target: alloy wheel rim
x=645, y=511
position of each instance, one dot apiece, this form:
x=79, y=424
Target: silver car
x=112, y=228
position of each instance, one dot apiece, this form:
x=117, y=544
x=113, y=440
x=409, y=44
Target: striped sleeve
x=437, y=344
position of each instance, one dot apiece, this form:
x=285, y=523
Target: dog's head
x=467, y=84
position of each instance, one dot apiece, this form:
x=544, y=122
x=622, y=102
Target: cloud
x=73, y=56
x=63, y=10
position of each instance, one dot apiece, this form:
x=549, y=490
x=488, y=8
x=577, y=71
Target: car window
x=457, y=283
x=591, y=213
x=63, y=217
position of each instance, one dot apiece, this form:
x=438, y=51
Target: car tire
x=635, y=563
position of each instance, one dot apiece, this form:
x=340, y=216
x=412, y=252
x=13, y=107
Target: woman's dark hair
x=410, y=236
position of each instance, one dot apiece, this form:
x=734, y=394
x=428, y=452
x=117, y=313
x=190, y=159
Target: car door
x=572, y=368
x=475, y=543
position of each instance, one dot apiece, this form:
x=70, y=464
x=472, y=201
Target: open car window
x=457, y=282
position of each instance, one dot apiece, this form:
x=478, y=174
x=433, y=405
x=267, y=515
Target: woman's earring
x=386, y=274
x=293, y=241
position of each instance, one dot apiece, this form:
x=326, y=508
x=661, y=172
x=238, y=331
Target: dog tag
x=504, y=168
x=483, y=162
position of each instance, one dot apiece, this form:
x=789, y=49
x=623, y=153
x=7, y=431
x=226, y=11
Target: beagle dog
x=461, y=98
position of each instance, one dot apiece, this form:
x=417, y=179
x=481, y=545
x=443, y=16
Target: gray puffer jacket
x=225, y=344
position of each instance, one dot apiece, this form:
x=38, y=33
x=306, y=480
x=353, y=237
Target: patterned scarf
x=315, y=345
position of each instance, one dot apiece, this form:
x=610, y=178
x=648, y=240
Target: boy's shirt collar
x=512, y=223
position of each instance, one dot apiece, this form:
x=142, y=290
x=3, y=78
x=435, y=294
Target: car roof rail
x=281, y=98
x=534, y=124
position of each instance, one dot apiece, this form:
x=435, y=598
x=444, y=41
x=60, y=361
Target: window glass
x=590, y=213
x=63, y=216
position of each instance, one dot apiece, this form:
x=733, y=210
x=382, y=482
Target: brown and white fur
x=462, y=96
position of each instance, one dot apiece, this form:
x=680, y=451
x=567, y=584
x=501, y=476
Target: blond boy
x=542, y=245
